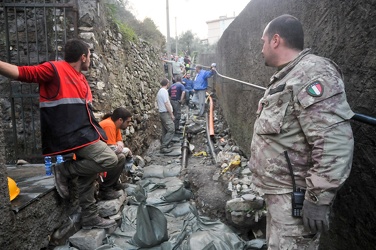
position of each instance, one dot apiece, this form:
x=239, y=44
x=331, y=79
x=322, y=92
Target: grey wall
x=344, y=31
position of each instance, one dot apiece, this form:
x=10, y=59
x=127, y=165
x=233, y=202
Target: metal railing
x=357, y=117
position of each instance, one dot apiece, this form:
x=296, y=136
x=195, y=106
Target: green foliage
x=190, y=44
x=148, y=31
x=131, y=28
x=115, y=13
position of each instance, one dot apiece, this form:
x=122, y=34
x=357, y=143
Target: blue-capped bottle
x=48, y=164
x=128, y=163
x=59, y=159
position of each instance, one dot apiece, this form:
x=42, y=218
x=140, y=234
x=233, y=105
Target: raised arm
x=9, y=70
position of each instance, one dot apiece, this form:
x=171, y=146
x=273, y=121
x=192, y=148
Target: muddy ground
x=202, y=172
x=210, y=195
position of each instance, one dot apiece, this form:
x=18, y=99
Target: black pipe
x=365, y=119
x=184, y=151
x=357, y=117
x=185, y=145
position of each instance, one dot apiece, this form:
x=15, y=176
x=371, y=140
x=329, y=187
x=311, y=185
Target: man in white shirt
x=178, y=67
x=166, y=115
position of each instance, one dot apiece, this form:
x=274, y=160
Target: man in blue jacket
x=200, y=86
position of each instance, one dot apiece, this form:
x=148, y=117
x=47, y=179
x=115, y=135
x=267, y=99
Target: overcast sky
x=190, y=14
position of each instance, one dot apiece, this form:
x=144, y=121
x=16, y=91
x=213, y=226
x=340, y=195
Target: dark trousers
x=177, y=113
x=113, y=175
x=167, y=129
x=188, y=94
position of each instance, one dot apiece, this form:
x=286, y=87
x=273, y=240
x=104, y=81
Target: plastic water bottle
x=59, y=159
x=128, y=163
x=47, y=165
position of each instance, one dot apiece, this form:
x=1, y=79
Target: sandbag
x=138, y=194
x=177, y=193
x=171, y=171
x=180, y=209
x=155, y=171
x=151, y=229
x=213, y=240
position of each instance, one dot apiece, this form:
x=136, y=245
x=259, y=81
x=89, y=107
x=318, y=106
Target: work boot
x=97, y=222
x=109, y=194
x=61, y=180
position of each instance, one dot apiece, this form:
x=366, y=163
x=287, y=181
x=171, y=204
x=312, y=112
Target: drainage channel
x=162, y=209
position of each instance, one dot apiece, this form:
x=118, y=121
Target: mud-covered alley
x=201, y=190
x=186, y=199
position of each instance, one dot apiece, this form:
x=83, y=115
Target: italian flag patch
x=315, y=89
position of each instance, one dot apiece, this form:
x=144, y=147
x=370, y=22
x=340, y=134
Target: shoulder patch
x=315, y=89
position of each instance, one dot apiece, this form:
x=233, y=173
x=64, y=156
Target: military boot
x=61, y=176
x=109, y=194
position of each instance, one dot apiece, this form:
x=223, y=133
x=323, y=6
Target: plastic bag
x=151, y=229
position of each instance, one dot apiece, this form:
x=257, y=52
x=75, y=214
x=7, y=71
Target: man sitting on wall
x=112, y=123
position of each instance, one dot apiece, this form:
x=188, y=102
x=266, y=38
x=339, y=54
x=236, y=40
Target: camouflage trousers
x=284, y=232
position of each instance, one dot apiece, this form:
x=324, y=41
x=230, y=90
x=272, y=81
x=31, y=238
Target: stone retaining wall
x=124, y=74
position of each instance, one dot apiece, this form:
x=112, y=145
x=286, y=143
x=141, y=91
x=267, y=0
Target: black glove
x=315, y=217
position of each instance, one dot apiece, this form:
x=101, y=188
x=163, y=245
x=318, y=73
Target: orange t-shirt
x=113, y=133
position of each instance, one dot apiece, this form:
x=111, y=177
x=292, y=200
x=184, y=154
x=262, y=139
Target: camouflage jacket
x=304, y=111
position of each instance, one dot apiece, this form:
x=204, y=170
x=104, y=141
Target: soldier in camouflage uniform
x=304, y=112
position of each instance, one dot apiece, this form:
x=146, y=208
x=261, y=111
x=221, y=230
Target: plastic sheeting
x=161, y=217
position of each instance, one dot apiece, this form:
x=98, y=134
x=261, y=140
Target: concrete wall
x=343, y=31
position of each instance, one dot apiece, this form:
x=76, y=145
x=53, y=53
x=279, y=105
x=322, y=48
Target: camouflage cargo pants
x=284, y=232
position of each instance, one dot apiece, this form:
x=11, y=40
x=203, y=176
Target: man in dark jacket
x=177, y=93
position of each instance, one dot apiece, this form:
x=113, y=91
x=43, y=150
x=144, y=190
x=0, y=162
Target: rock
x=235, y=181
x=147, y=159
x=245, y=181
x=111, y=207
x=216, y=177
x=88, y=239
x=246, y=171
x=21, y=162
x=239, y=204
x=139, y=161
